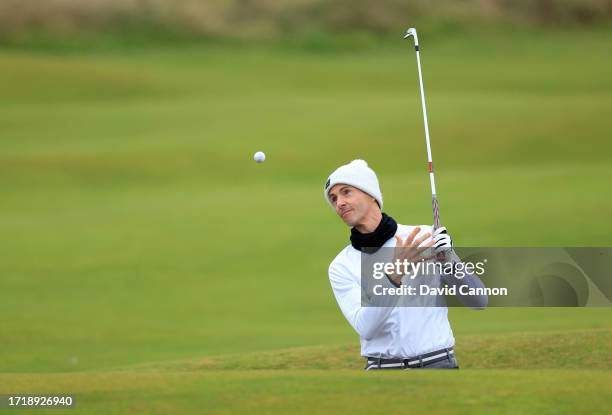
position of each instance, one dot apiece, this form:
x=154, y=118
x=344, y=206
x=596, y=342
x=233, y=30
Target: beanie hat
x=357, y=174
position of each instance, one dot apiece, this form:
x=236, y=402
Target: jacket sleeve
x=471, y=280
x=366, y=320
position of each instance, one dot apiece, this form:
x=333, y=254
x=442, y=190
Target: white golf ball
x=259, y=157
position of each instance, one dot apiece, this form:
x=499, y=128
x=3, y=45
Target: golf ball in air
x=259, y=157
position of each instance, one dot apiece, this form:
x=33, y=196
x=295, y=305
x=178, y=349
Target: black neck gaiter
x=369, y=243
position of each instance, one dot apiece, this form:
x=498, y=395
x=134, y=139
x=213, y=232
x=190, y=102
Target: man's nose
x=340, y=202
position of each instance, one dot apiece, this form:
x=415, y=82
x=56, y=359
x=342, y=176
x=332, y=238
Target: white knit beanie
x=357, y=174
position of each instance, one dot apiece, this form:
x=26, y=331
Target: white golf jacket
x=388, y=332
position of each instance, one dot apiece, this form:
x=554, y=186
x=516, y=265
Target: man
x=392, y=336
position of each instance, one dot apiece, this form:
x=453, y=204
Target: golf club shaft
x=434, y=199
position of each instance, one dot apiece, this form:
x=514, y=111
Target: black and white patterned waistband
x=419, y=361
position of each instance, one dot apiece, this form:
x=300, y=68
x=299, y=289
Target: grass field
x=148, y=265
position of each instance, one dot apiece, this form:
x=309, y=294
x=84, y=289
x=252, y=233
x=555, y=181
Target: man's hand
x=442, y=240
x=410, y=250
x=443, y=246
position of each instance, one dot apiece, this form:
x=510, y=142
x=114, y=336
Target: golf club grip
x=441, y=256
x=436, y=212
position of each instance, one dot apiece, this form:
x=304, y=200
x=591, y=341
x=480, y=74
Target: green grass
x=523, y=372
x=573, y=349
x=144, y=251
x=546, y=391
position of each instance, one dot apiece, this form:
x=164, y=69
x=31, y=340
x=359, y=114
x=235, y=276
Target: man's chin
x=350, y=218
x=349, y=221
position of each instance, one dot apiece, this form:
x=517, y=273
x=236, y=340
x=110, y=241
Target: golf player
x=392, y=336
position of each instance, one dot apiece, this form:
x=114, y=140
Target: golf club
x=434, y=198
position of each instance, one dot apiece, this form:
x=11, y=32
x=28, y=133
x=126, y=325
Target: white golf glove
x=442, y=240
x=443, y=245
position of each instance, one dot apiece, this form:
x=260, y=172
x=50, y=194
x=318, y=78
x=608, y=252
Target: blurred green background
x=148, y=264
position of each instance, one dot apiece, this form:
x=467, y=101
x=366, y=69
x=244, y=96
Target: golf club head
x=412, y=33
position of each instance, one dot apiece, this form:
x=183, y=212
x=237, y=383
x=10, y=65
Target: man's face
x=351, y=204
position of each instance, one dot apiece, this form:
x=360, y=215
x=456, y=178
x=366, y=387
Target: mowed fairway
x=149, y=265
